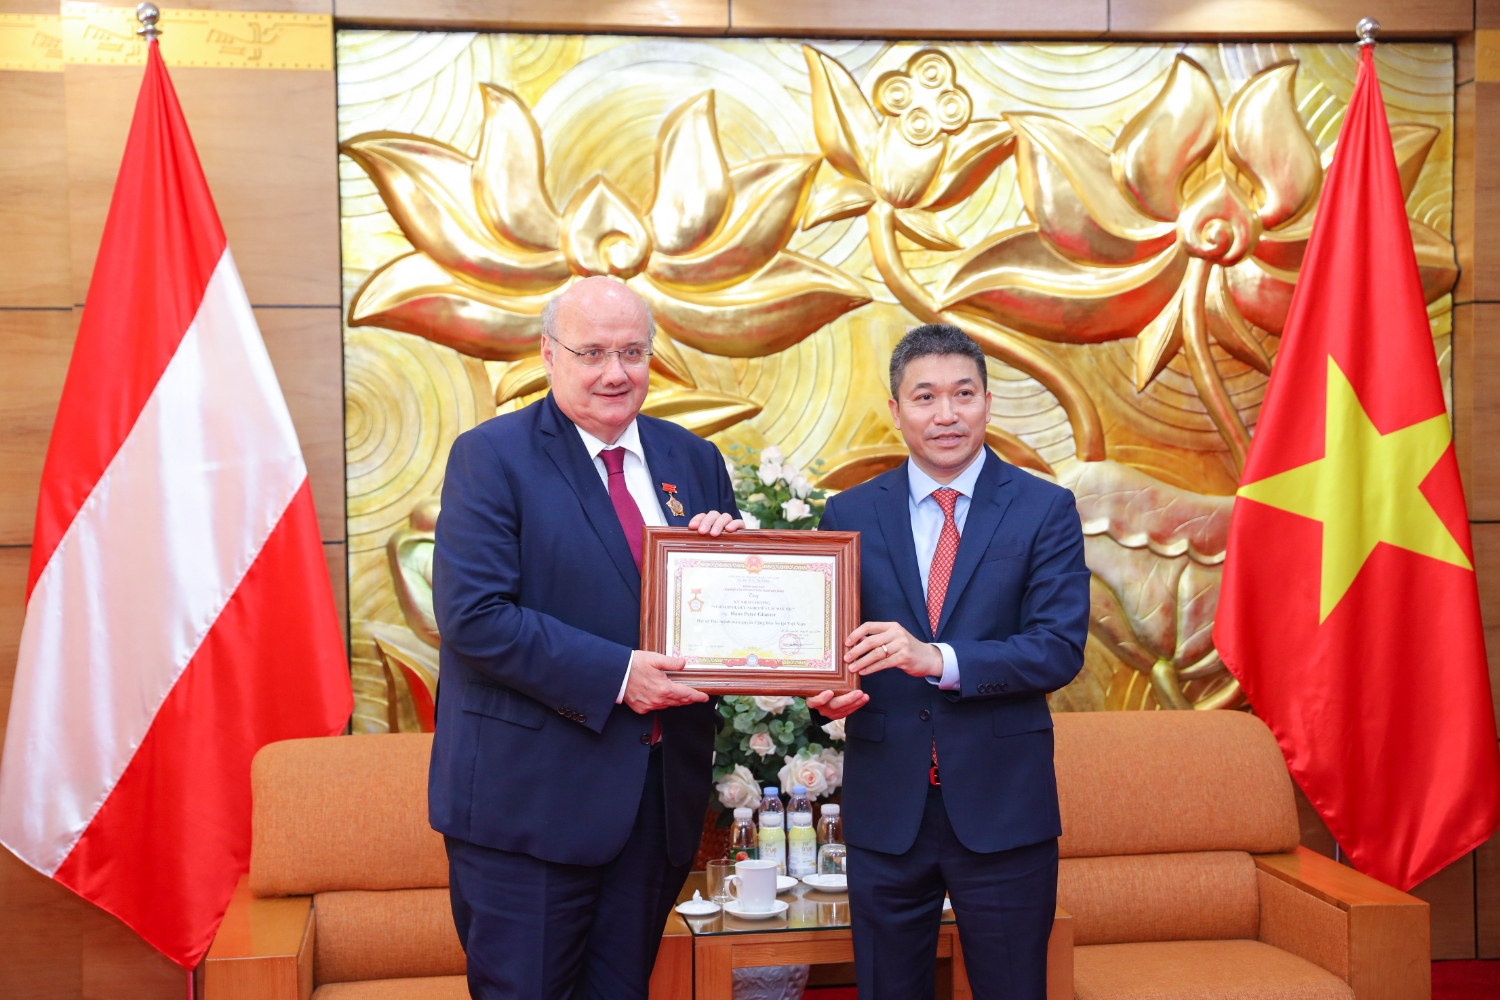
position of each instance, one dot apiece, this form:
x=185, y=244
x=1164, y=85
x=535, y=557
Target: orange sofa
x=1180, y=870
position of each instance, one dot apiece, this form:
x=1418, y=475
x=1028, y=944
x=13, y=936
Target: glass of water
x=833, y=859
x=718, y=881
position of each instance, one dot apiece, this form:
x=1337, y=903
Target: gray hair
x=549, y=314
x=934, y=338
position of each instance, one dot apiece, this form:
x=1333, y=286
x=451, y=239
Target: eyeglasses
x=631, y=357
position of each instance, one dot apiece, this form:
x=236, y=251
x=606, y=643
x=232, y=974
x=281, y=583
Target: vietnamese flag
x=1349, y=609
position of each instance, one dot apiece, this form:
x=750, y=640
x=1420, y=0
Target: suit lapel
x=665, y=466
x=986, y=508
x=894, y=511
x=567, y=452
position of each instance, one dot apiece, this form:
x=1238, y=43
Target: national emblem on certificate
x=762, y=611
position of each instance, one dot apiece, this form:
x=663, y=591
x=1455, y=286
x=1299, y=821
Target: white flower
x=796, y=509
x=762, y=743
x=835, y=729
x=769, y=473
x=738, y=788
x=833, y=764
x=771, y=456
x=734, y=472
x=800, y=487
x=790, y=472
x=809, y=771
x=775, y=704
x=751, y=521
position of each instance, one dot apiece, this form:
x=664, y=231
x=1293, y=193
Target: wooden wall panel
x=1476, y=360
x=37, y=345
x=1487, y=566
x=1327, y=18
x=337, y=555
x=33, y=191
x=947, y=18
x=267, y=142
x=655, y=16
x=1450, y=893
x=1487, y=897
x=306, y=346
x=1482, y=190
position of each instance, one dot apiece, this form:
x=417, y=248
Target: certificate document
x=753, y=612
x=767, y=611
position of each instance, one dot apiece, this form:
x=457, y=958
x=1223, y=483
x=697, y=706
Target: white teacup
x=754, y=885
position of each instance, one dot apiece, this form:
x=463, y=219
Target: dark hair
x=934, y=338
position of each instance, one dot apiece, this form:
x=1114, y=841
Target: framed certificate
x=755, y=612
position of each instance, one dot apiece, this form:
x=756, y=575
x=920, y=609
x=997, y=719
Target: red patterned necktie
x=937, y=580
x=942, y=557
x=619, y=495
x=633, y=524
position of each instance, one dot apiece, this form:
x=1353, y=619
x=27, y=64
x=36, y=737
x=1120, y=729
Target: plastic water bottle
x=830, y=826
x=772, y=842
x=801, y=841
x=742, y=836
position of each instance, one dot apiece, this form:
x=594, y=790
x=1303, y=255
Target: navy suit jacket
x=538, y=600
x=1016, y=615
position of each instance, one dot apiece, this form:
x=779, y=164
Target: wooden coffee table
x=698, y=956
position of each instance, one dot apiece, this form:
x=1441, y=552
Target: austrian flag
x=179, y=614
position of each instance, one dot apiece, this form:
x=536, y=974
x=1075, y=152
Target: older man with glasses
x=570, y=773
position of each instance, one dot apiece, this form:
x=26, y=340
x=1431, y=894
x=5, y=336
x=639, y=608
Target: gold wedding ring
x=883, y=651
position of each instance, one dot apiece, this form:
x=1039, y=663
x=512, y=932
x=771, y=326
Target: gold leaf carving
x=1411, y=142
x=668, y=362
x=510, y=188
x=902, y=171
x=601, y=232
x=521, y=379
x=973, y=155
x=692, y=179
x=1265, y=139
x=700, y=411
x=845, y=125
x=841, y=198
x=927, y=229
x=1166, y=139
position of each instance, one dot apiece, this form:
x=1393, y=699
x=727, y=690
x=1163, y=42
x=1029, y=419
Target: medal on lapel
x=673, y=504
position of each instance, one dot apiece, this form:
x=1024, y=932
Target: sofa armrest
x=1376, y=937
x=1060, y=957
x=263, y=951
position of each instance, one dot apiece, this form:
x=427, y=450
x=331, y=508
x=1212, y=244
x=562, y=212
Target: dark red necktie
x=633, y=524
x=619, y=495
x=937, y=579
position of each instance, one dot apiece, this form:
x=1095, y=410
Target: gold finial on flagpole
x=1367, y=29
x=147, y=14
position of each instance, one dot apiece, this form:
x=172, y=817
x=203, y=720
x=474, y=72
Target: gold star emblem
x=1366, y=489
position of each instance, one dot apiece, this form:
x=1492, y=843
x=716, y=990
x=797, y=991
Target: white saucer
x=778, y=907
x=828, y=883
x=783, y=883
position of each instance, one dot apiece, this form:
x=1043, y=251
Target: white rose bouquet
x=772, y=492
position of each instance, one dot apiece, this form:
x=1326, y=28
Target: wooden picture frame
x=741, y=566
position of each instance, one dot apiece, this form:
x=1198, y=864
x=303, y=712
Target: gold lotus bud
x=924, y=98
x=1220, y=225
x=602, y=234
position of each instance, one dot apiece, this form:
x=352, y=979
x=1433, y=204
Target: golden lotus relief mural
x=1119, y=226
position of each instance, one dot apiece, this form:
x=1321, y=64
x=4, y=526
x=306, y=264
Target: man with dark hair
x=972, y=576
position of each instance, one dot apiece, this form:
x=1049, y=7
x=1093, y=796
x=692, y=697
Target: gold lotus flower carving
x=708, y=253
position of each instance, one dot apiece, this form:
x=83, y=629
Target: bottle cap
x=828, y=810
x=799, y=789
x=742, y=813
x=772, y=790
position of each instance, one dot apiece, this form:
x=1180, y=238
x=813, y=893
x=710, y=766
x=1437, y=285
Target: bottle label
x=802, y=851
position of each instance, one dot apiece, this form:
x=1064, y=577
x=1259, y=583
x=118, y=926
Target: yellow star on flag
x=1366, y=489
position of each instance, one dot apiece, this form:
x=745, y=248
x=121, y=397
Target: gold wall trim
x=99, y=35
x=31, y=43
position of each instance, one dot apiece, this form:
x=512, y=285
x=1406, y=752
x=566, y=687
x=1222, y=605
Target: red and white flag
x=179, y=614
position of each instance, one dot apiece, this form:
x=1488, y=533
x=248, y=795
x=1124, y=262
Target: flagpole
x=1366, y=29
x=147, y=14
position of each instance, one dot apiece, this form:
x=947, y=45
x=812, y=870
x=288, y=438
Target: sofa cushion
x=1163, y=782
x=1160, y=897
x=390, y=934
x=432, y=988
x=343, y=812
x=1200, y=970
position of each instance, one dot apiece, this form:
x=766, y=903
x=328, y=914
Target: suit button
x=646, y=738
x=924, y=715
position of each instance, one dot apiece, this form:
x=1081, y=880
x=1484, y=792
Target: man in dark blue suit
x=976, y=597
x=569, y=773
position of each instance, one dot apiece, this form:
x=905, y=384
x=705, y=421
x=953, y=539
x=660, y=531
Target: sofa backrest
x=341, y=813
x=1171, y=782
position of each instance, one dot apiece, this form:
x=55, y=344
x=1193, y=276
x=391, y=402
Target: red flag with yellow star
x=1349, y=610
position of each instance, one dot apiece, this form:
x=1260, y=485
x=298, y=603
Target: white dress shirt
x=638, y=482
x=927, y=527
